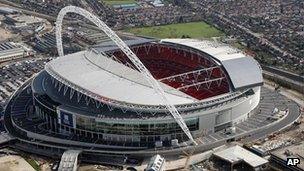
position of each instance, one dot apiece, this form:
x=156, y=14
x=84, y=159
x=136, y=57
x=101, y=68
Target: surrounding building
x=237, y=156
x=7, y=11
x=10, y=51
x=157, y=163
x=22, y=21
x=158, y=3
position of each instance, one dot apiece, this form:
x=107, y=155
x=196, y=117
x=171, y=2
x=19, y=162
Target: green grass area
x=191, y=30
x=239, y=46
x=33, y=163
x=119, y=2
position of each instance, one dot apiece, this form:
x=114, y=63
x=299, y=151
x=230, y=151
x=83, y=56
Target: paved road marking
x=213, y=137
x=240, y=129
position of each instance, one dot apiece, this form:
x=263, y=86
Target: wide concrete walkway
x=69, y=160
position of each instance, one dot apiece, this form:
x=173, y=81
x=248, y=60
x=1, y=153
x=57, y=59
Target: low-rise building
x=156, y=163
x=236, y=156
x=7, y=10
x=21, y=21
x=11, y=51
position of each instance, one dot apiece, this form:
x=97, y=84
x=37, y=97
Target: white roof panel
x=108, y=78
x=236, y=154
x=219, y=51
x=244, y=71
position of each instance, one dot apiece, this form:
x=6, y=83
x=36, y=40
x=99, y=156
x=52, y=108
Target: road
x=287, y=121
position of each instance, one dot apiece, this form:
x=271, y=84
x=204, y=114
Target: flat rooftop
x=7, y=10
x=21, y=18
x=238, y=154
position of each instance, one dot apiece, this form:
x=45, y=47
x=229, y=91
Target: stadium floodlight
x=128, y=52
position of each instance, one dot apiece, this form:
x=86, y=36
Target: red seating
x=166, y=61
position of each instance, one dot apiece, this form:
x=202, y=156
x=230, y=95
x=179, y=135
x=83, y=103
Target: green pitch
x=119, y=2
x=192, y=30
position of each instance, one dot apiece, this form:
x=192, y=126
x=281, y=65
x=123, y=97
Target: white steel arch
x=133, y=58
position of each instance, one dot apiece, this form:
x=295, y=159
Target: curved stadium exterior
x=96, y=101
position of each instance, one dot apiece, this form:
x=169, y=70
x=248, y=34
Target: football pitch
x=119, y=2
x=188, y=30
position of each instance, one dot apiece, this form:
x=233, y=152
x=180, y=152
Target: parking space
x=14, y=75
x=271, y=104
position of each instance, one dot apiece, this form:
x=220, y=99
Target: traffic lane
x=294, y=113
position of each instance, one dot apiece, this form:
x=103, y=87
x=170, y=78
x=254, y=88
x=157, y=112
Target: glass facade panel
x=143, y=134
x=134, y=128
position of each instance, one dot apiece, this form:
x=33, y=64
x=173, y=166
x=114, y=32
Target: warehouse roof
x=237, y=154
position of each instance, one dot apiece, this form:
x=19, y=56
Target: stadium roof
x=244, y=71
x=110, y=45
x=95, y=73
x=108, y=78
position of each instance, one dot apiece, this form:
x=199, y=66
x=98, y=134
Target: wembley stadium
x=142, y=96
x=97, y=98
